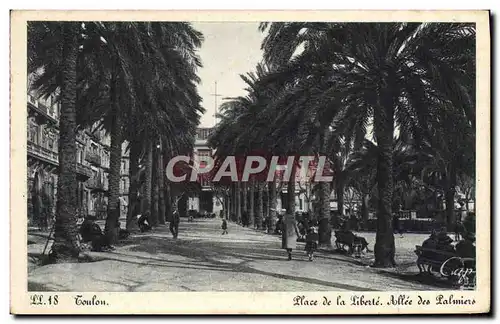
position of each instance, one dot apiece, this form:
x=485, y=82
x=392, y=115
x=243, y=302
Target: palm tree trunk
x=265, y=200
x=154, y=188
x=450, y=200
x=168, y=202
x=161, y=188
x=364, y=207
x=272, y=203
x=133, y=197
x=324, y=231
x=384, y=129
x=66, y=246
x=291, y=193
x=147, y=183
x=232, y=200
x=339, y=190
x=115, y=160
x=259, y=215
x=227, y=199
x=238, y=202
x=251, y=214
x=245, y=201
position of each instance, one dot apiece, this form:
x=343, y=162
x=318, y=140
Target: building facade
x=209, y=202
x=206, y=200
x=92, y=164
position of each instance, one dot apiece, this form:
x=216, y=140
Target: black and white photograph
x=333, y=160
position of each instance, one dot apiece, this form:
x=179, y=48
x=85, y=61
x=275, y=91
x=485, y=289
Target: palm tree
x=126, y=75
x=117, y=49
x=53, y=50
x=163, y=60
x=259, y=210
x=161, y=186
x=65, y=234
x=251, y=208
x=386, y=72
x=135, y=151
x=361, y=170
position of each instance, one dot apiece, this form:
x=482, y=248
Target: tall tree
x=65, y=234
x=161, y=186
x=148, y=182
x=251, y=198
x=155, y=194
x=53, y=50
x=134, y=203
x=387, y=72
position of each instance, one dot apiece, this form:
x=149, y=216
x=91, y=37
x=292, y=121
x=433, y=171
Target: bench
x=347, y=239
x=430, y=259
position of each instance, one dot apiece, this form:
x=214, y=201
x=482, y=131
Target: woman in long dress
x=289, y=234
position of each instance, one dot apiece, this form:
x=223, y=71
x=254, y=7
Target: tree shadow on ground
x=236, y=256
x=420, y=278
x=211, y=253
x=242, y=268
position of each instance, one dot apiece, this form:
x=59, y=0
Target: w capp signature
x=455, y=267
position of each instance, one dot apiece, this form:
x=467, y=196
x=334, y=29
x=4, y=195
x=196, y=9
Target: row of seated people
x=440, y=241
x=91, y=232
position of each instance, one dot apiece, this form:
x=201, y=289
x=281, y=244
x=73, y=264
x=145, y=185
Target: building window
x=33, y=133
x=79, y=156
x=50, y=143
x=300, y=203
x=86, y=197
x=52, y=104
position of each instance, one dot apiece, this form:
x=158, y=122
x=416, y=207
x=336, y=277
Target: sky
x=229, y=49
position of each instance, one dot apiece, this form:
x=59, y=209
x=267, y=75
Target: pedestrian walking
x=224, y=227
x=289, y=234
x=396, y=224
x=174, y=224
x=312, y=239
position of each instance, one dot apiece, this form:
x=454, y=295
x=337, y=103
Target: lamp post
x=215, y=94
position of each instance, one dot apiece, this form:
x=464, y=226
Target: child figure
x=224, y=227
x=312, y=239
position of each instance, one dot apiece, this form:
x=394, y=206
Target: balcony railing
x=52, y=157
x=41, y=108
x=83, y=170
x=42, y=153
x=97, y=184
x=93, y=158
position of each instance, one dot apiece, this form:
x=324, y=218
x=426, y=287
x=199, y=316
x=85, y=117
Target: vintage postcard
x=250, y=162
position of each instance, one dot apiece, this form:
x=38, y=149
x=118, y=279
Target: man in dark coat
x=396, y=224
x=174, y=224
x=224, y=227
